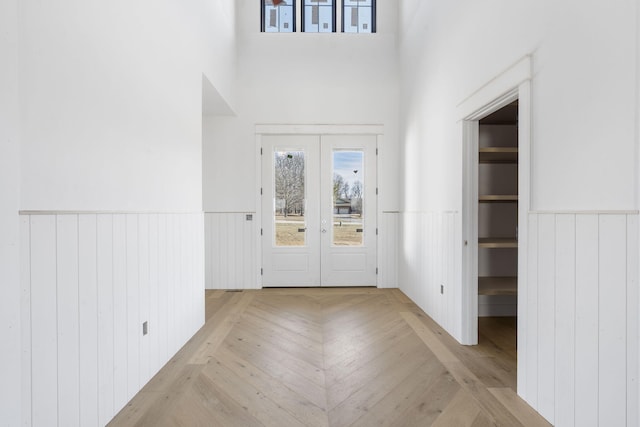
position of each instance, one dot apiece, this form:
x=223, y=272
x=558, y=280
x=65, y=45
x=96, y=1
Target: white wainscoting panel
x=388, y=233
x=579, y=307
x=89, y=280
x=581, y=325
x=231, y=255
x=428, y=258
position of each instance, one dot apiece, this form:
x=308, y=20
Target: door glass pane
x=289, y=198
x=348, y=196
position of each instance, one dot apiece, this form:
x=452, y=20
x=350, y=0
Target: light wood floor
x=332, y=357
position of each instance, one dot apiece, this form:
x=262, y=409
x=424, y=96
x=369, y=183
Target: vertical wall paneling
x=154, y=300
x=133, y=329
x=145, y=297
x=178, y=284
x=208, y=265
x=250, y=239
x=528, y=362
x=426, y=245
x=212, y=251
x=612, y=319
x=578, y=311
x=522, y=343
x=120, y=318
x=189, y=273
x=25, y=320
x=171, y=284
x=388, y=250
x=163, y=289
x=196, y=231
x=455, y=267
x=422, y=223
x=582, y=318
x=546, y=322
x=106, y=317
x=234, y=245
x=223, y=236
x=88, y=281
x=586, y=334
x=68, y=340
x=565, y=289
x=452, y=278
x=633, y=355
x=182, y=284
x=44, y=349
x=200, y=258
x=230, y=250
x=88, y=319
x=183, y=278
x=187, y=268
x=201, y=261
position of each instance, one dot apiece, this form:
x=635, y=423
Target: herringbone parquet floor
x=330, y=357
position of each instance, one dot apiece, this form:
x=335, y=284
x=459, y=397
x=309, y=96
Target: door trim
x=514, y=83
x=342, y=129
x=299, y=129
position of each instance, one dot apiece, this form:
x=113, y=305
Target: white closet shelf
x=497, y=285
x=497, y=243
x=498, y=155
x=498, y=198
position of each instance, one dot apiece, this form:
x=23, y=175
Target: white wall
x=448, y=52
x=302, y=78
x=9, y=204
x=112, y=101
x=584, y=160
x=111, y=106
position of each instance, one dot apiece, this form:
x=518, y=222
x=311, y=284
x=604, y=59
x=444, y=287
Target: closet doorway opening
x=497, y=225
x=494, y=218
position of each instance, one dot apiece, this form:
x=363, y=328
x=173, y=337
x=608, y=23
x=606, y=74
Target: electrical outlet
x=145, y=328
x=442, y=289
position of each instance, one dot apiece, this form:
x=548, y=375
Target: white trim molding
x=492, y=95
x=512, y=84
x=319, y=129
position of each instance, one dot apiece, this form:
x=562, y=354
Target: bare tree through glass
x=289, y=176
x=348, y=191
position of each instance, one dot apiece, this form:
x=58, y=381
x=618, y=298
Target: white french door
x=319, y=210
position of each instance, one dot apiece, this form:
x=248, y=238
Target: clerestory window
x=318, y=16
x=358, y=16
x=278, y=16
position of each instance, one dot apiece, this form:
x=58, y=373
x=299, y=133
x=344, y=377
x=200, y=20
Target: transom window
x=318, y=16
x=278, y=16
x=358, y=16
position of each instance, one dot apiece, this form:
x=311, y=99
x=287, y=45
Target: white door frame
x=514, y=83
x=298, y=129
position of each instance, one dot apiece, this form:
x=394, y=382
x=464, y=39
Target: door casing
x=514, y=83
